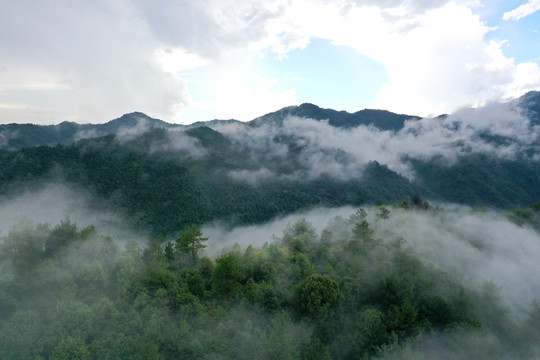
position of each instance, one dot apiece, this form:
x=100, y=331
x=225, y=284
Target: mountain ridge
x=16, y=136
x=382, y=119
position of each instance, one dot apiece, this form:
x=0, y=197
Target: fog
x=474, y=246
x=179, y=141
x=471, y=246
x=221, y=236
x=493, y=258
x=53, y=202
x=6, y=136
x=498, y=130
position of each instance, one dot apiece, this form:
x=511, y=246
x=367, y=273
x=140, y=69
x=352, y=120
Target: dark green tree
x=23, y=246
x=191, y=241
x=372, y=332
x=60, y=236
x=383, y=213
x=359, y=216
x=169, y=251
x=70, y=349
x=316, y=295
x=228, y=276
x=362, y=236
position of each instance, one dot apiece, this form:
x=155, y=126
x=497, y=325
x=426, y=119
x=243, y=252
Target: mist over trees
x=165, y=180
x=304, y=234
x=360, y=288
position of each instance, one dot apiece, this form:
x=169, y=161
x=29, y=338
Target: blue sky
x=185, y=61
x=323, y=74
x=523, y=35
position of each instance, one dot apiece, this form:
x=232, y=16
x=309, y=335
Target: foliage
x=316, y=295
x=298, y=298
x=191, y=241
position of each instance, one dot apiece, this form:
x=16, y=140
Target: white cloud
x=435, y=53
x=323, y=150
x=523, y=10
x=252, y=178
x=474, y=247
x=94, y=61
x=83, y=61
x=526, y=78
x=234, y=88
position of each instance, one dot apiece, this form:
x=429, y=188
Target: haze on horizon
x=189, y=61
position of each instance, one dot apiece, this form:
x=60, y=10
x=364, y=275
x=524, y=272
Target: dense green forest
x=165, y=177
x=164, y=191
x=165, y=180
x=404, y=281
x=355, y=290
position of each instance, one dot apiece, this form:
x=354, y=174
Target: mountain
x=382, y=119
x=130, y=121
x=16, y=136
x=165, y=190
x=213, y=123
x=166, y=176
x=530, y=105
x=164, y=181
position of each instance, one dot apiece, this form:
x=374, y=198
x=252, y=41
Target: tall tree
x=384, y=213
x=191, y=241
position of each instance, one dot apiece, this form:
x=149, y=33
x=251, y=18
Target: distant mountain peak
x=14, y=136
x=530, y=106
x=382, y=119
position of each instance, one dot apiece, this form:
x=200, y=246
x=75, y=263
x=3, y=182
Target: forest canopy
x=354, y=290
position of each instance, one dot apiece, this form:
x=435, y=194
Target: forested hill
x=165, y=184
x=381, y=119
x=396, y=278
x=16, y=136
x=167, y=177
x=166, y=180
x=386, y=283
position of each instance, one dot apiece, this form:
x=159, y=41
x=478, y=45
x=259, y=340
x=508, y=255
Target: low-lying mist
x=53, y=202
x=470, y=274
x=498, y=130
x=221, y=236
x=471, y=245
x=482, y=250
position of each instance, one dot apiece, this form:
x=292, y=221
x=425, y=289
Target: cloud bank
x=302, y=148
x=53, y=202
x=471, y=247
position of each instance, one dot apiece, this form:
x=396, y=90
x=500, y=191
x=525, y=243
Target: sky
x=184, y=60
